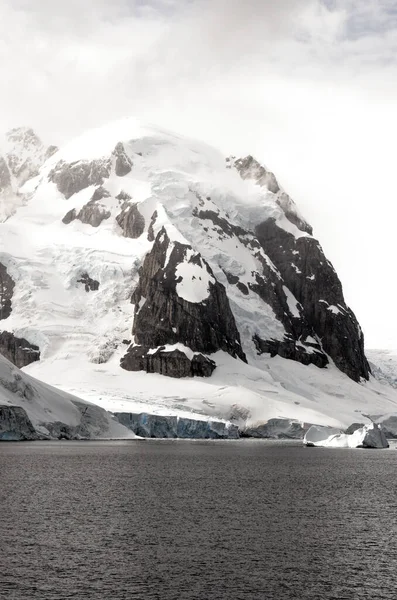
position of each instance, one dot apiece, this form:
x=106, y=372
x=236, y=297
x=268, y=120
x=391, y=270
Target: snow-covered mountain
x=383, y=365
x=148, y=273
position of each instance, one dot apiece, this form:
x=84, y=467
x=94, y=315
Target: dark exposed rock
x=123, y=164
x=232, y=279
x=225, y=227
x=5, y=177
x=290, y=211
x=315, y=284
x=18, y=350
x=91, y=285
x=173, y=363
x=15, y=424
x=50, y=151
x=249, y=168
x=99, y=194
x=70, y=216
x=150, y=231
x=123, y=197
x=92, y=213
x=160, y=426
x=272, y=288
x=243, y=288
x=130, y=220
x=290, y=349
x=6, y=292
x=71, y=178
x=162, y=317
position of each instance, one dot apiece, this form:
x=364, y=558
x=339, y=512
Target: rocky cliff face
x=6, y=292
x=71, y=178
x=18, y=350
x=203, y=324
x=315, y=284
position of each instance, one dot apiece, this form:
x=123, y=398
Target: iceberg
x=368, y=436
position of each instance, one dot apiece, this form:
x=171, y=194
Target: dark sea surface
x=187, y=520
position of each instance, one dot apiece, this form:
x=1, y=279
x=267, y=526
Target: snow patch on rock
x=193, y=280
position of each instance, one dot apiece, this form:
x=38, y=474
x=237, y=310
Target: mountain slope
x=150, y=252
x=30, y=409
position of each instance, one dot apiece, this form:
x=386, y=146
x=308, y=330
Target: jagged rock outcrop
x=130, y=219
x=70, y=216
x=18, y=350
x=291, y=212
x=123, y=163
x=290, y=349
x=15, y=425
x=71, y=178
x=161, y=426
x=25, y=153
x=174, y=363
x=315, y=284
x=90, y=285
x=250, y=168
x=162, y=316
x=6, y=292
x=92, y=213
x=150, y=231
x=299, y=342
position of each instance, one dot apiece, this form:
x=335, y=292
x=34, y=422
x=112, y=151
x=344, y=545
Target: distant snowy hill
x=145, y=272
x=384, y=365
x=22, y=153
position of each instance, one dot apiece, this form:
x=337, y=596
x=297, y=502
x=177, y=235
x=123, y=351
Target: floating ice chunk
x=369, y=436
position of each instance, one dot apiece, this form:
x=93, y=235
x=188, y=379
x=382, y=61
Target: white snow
x=171, y=347
x=334, y=309
x=195, y=280
x=292, y=302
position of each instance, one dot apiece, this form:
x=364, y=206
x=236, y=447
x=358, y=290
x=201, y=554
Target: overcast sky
x=308, y=86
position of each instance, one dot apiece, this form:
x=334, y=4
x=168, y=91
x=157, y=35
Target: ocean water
x=189, y=520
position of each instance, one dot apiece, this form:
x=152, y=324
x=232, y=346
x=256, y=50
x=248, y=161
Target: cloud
x=309, y=86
